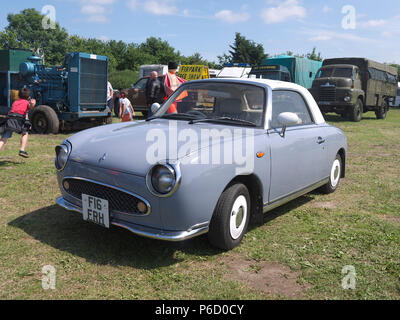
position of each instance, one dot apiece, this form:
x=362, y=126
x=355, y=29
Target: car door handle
x=320, y=140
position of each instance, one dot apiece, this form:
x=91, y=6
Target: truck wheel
x=231, y=217
x=382, y=111
x=334, y=177
x=44, y=120
x=356, y=111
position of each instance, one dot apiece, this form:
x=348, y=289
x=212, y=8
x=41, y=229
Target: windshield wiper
x=179, y=116
x=224, y=119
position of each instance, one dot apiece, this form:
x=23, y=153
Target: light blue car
x=216, y=154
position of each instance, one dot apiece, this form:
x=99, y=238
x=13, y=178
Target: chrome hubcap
x=238, y=217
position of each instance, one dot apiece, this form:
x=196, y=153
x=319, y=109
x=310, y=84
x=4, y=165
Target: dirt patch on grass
x=323, y=205
x=389, y=218
x=270, y=277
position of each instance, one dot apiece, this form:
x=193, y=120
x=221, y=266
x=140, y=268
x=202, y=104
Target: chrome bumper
x=145, y=231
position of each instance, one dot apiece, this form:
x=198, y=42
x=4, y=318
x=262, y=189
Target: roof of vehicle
x=339, y=66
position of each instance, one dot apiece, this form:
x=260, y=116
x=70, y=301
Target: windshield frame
x=267, y=92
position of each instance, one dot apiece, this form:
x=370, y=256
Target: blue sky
x=209, y=26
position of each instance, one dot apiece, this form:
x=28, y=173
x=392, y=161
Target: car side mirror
x=287, y=119
x=155, y=107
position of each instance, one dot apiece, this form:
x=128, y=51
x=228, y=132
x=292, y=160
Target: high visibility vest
x=174, y=81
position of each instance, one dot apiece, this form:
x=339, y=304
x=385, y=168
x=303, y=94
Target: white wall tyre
x=334, y=176
x=231, y=217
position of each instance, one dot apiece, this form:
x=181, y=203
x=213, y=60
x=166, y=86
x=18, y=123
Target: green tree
x=246, y=51
x=160, y=50
x=25, y=30
x=314, y=56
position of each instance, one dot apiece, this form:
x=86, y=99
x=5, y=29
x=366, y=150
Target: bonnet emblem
x=103, y=157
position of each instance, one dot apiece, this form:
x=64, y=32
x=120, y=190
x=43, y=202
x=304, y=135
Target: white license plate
x=96, y=210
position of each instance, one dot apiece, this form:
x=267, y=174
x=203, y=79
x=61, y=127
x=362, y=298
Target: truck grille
x=327, y=94
x=118, y=200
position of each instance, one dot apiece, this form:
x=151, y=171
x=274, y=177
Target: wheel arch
x=255, y=187
x=342, y=153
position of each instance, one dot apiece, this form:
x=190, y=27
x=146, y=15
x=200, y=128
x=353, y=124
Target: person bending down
x=17, y=120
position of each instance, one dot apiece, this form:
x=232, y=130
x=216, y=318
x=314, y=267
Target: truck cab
x=272, y=72
x=337, y=87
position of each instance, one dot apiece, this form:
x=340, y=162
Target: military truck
x=353, y=86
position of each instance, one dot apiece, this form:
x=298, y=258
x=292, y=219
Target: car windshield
x=219, y=102
x=335, y=72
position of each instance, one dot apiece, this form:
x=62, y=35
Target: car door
x=299, y=156
x=137, y=94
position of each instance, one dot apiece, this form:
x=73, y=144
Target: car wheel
x=356, y=111
x=231, y=217
x=334, y=176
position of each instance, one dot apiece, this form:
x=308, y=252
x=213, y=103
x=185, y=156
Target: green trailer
x=11, y=59
x=302, y=70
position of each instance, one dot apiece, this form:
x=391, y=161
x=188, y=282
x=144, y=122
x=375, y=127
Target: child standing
x=126, y=112
x=17, y=120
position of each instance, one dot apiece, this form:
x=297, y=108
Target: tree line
x=24, y=30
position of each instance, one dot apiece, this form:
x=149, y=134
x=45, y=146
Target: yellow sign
x=193, y=72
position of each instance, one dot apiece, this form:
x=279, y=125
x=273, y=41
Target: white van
x=145, y=70
x=235, y=70
x=396, y=102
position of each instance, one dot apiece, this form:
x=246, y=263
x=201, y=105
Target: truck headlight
x=163, y=179
x=347, y=99
x=62, y=154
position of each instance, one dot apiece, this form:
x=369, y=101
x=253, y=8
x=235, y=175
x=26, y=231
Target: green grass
x=314, y=236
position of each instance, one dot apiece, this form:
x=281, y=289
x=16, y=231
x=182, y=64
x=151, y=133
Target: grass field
x=298, y=252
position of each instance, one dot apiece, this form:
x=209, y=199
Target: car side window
x=289, y=101
x=141, y=84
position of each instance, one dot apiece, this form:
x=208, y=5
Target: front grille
x=327, y=94
x=93, y=82
x=117, y=200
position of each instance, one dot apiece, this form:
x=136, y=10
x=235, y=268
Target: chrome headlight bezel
x=173, y=169
x=65, y=147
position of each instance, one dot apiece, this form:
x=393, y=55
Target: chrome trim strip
x=146, y=231
x=269, y=206
x=112, y=187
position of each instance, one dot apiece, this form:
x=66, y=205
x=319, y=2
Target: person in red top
x=17, y=120
x=171, y=83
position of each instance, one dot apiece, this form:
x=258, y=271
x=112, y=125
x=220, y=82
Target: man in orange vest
x=171, y=83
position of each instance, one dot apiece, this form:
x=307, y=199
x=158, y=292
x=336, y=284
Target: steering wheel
x=197, y=113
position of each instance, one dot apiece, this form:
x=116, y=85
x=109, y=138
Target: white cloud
x=92, y=10
x=231, y=17
x=160, y=7
x=156, y=7
x=333, y=35
x=372, y=23
x=283, y=11
x=326, y=9
x=133, y=4
x=96, y=10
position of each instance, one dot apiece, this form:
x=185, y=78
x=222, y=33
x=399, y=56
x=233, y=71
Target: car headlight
x=163, y=179
x=62, y=153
